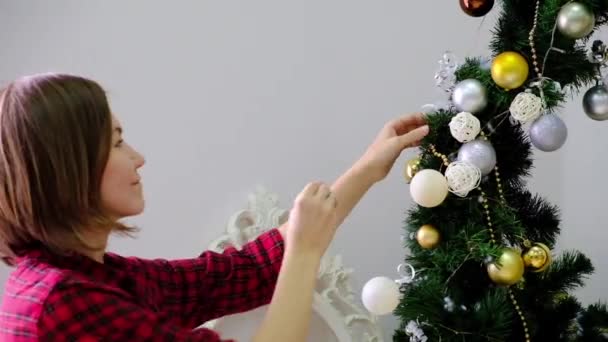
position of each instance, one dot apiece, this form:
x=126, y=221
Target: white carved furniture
x=336, y=315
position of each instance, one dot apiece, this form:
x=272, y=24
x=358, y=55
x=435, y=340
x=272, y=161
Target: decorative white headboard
x=337, y=316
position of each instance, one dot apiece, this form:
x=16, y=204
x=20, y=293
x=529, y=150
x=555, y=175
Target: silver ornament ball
x=548, y=133
x=595, y=103
x=480, y=153
x=485, y=63
x=470, y=96
x=575, y=20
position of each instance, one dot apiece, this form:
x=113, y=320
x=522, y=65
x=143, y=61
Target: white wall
x=223, y=95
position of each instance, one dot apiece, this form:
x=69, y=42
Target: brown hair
x=55, y=138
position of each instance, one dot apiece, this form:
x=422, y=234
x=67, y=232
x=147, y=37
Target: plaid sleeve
x=218, y=284
x=83, y=312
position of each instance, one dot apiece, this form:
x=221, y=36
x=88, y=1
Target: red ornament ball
x=476, y=8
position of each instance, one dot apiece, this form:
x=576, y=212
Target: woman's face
x=121, y=187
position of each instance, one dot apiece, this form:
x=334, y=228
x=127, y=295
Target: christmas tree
x=480, y=243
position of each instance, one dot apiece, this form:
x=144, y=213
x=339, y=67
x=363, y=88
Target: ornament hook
x=406, y=277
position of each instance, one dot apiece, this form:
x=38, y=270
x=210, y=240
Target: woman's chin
x=133, y=209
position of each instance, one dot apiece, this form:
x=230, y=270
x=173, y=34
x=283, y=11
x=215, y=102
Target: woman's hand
x=394, y=137
x=312, y=221
x=310, y=229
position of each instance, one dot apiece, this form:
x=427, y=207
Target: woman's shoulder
x=42, y=289
x=38, y=274
x=34, y=275
x=25, y=293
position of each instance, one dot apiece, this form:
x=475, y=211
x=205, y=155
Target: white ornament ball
x=380, y=295
x=429, y=188
x=462, y=177
x=526, y=107
x=465, y=127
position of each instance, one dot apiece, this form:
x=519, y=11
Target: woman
x=66, y=179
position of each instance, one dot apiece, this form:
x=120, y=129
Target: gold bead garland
x=443, y=157
x=486, y=208
x=499, y=186
x=531, y=40
x=504, y=202
x=521, y=315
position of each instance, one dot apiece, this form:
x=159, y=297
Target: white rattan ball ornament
x=462, y=177
x=526, y=107
x=465, y=127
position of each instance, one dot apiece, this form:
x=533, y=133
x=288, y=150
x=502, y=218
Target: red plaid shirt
x=51, y=298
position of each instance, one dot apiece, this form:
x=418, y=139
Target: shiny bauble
x=595, y=103
x=510, y=70
x=410, y=168
x=470, y=96
x=380, y=295
x=479, y=153
x=429, y=188
x=427, y=236
x=508, y=269
x=548, y=133
x=537, y=258
x=476, y=8
x=575, y=20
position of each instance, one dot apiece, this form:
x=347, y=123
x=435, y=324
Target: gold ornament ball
x=410, y=168
x=427, y=236
x=508, y=270
x=510, y=70
x=537, y=258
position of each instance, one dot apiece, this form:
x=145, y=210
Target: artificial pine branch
x=566, y=273
x=592, y=324
x=538, y=216
x=455, y=271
